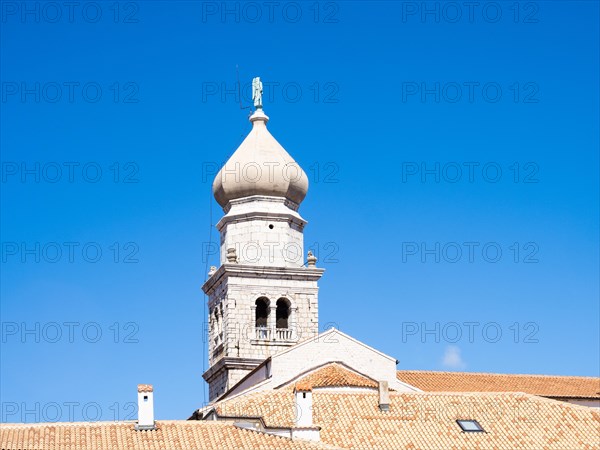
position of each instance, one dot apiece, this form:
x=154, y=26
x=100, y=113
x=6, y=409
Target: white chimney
x=303, y=424
x=384, y=396
x=145, y=407
x=303, y=406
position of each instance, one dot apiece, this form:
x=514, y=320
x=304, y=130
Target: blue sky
x=432, y=142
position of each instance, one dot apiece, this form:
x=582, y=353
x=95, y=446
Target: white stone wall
x=240, y=338
x=264, y=231
x=264, y=242
x=234, y=376
x=334, y=346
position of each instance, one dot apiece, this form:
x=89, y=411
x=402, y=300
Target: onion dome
x=260, y=166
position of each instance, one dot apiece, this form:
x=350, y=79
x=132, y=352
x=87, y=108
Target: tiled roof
x=276, y=408
x=169, y=435
x=543, y=385
x=145, y=388
x=333, y=375
x=428, y=420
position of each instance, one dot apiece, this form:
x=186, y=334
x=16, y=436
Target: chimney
x=145, y=407
x=384, y=396
x=303, y=423
x=303, y=404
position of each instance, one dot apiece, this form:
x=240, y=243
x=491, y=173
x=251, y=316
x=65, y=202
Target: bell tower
x=264, y=296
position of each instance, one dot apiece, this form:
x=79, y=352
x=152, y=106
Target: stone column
x=292, y=321
x=272, y=321
x=253, y=321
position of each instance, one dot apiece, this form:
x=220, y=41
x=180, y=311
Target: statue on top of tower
x=257, y=91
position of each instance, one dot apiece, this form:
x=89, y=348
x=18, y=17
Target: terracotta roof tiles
x=333, y=375
x=428, y=420
x=145, y=388
x=169, y=435
x=542, y=385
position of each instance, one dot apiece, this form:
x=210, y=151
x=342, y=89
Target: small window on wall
x=282, y=313
x=262, y=312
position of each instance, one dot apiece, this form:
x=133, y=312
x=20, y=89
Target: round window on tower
x=271, y=226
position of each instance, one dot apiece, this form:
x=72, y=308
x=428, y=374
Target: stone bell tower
x=264, y=296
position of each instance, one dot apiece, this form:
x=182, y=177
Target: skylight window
x=470, y=426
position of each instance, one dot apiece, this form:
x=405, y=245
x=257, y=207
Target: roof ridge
x=96, y=423
x=468, y=393
x=497, y=374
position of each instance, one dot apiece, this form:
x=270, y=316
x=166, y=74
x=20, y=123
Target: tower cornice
x=268, y=272
x=261, y=207
x=231, y=363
